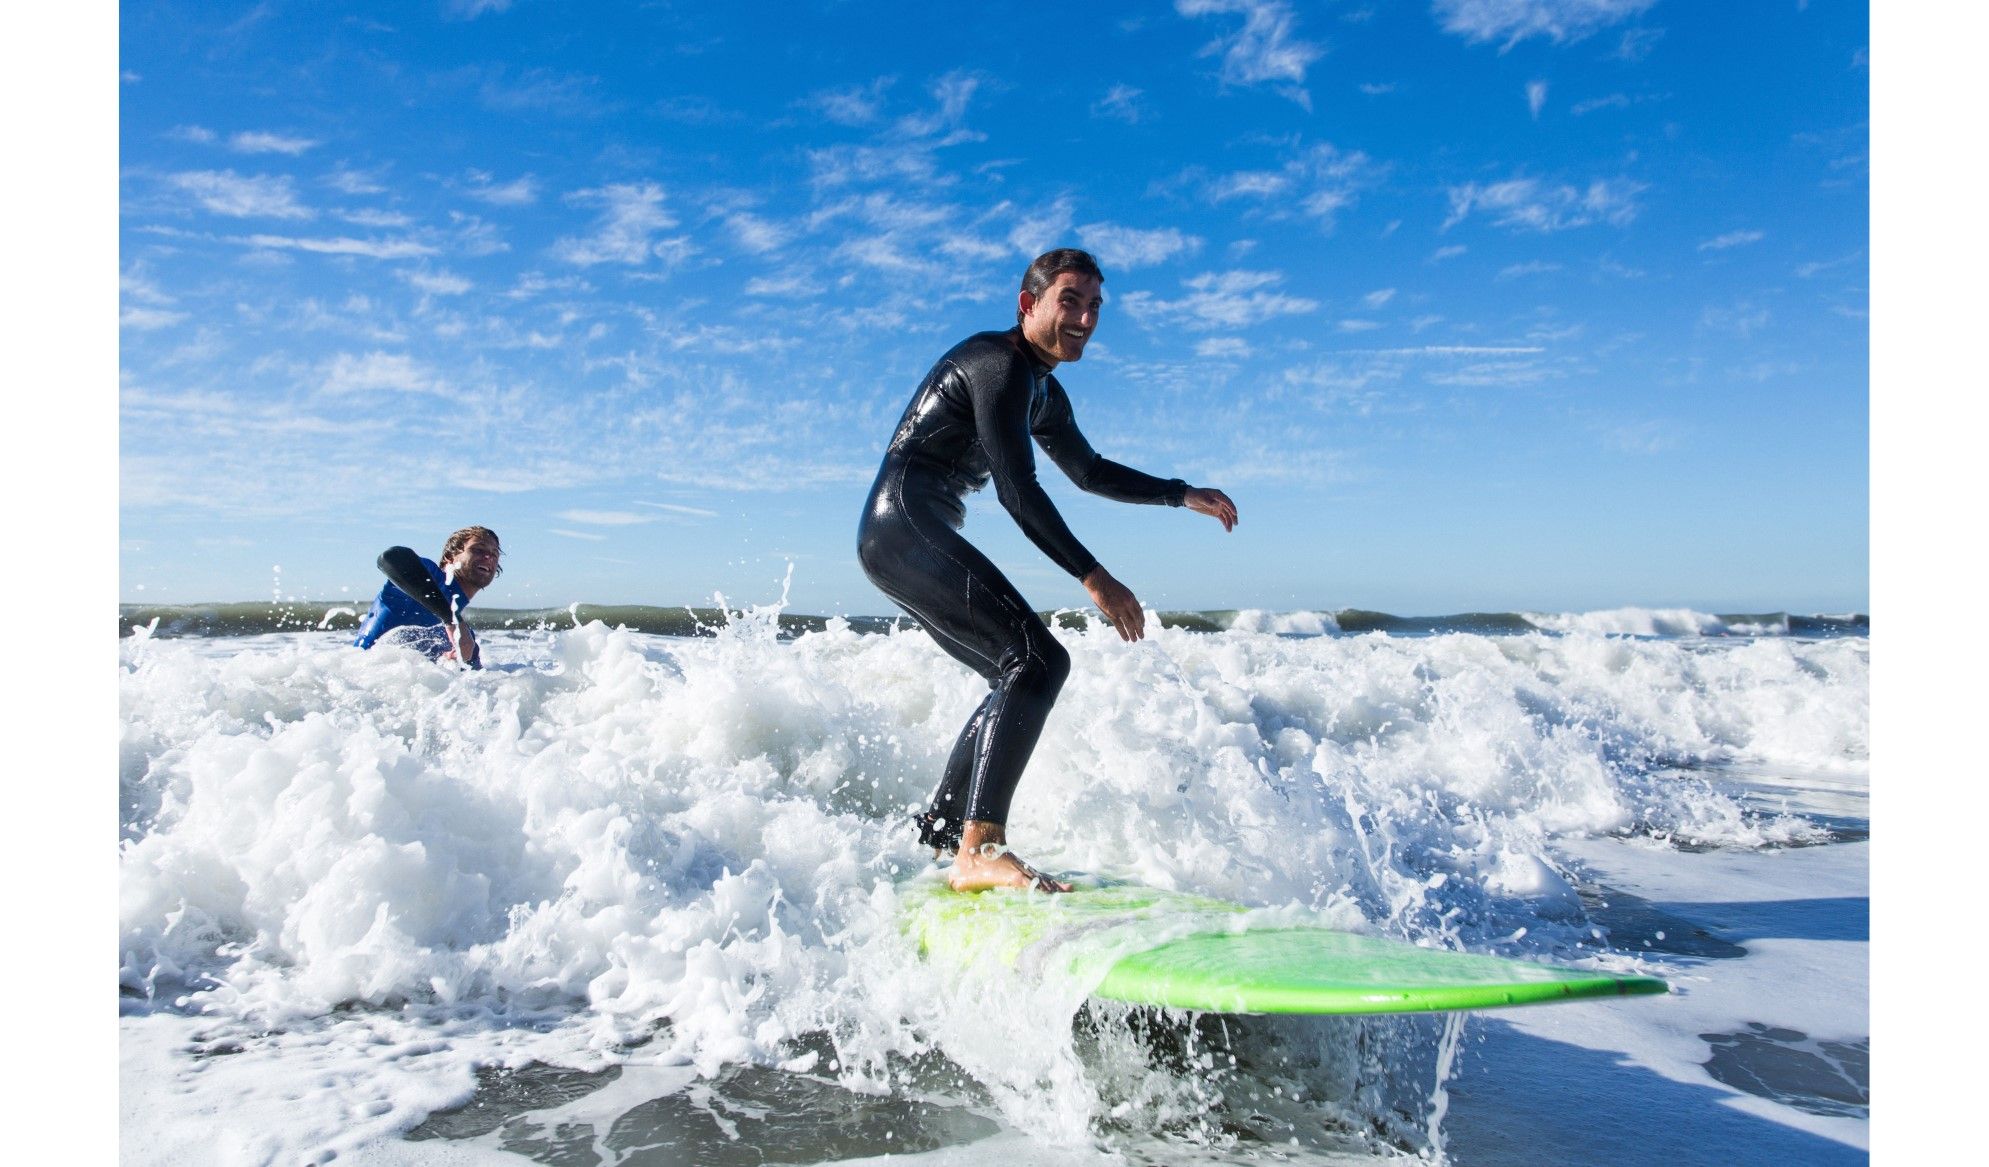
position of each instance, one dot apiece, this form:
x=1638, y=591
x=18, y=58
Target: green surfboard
x=1150, y=947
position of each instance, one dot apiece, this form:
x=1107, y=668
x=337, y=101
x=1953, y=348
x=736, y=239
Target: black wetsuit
x=971, y=420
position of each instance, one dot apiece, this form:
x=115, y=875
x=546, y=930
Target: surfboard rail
x=1144, y=946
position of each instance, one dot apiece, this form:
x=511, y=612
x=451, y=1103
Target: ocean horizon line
x=259, y=617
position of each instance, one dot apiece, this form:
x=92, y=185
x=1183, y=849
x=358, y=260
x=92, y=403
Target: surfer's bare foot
x=984, y=861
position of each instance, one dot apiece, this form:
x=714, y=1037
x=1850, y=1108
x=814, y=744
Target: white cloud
x=1732, y=239
x=1377, y=89
x=758, y=235
x=1121, y=103
x=787, y=285
x=1377, y=298
x=1232, y=299
x=1321, y=181
x=243, y=196
x=355, y=182
x=437, y=283
x=1227, y=348
x=605, y=518
x=144, y=319
x=1264, y=49
x=1513, y=21
x=379, y=372
x=855, y=105
x=1742, y=319
x=342, y=245
x=1533, y=205
x=471, y=9
x=590, y=536
x=625, y=232
x=370, y=217
x=1536, y=97
x=1613, y=101
x=679, y=509
x=1130, y=247
x=1532, y=268
x=1647, y=437
x=1450, y=252
x=191, y=134
x=519, y=192
x=261, y=142
x=1358, y=325
x=1042, y=229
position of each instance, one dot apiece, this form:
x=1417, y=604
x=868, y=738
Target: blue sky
x=1532, y=304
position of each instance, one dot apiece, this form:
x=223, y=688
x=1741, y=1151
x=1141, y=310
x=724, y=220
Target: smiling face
x=1059, y=322
x=472, y=559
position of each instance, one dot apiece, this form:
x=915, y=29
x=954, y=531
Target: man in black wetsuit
x=971, y=420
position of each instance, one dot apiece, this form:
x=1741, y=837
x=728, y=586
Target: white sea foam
x=1655, y=622
x=1300, y=623
x=348, y=879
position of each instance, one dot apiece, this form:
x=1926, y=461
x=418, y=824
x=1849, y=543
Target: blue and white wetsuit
x=394, y=609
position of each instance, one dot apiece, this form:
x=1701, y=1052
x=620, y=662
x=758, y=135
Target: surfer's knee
x=1042, y=667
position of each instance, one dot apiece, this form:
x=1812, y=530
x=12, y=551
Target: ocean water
x=629, y=897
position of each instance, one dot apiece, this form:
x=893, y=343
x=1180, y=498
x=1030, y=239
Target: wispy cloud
x=144, y=319
x=1536, y=97
x=471, y=9
x=1217, y=300
x=1613, y=101
x=1320, y=180
x=263, y=142
x=254, y=196
x=1741, y=319
x=605, y=518
x=519, y=192
x=589, y=536
x=1130, y=247
x=679, y=509
x=1533, y=205
x=1808, y=270
x=437, y=283
x=198, y=134
x=1378, y=297
x=854, y=105
x=1265, y=49
x=1041, y=228
x=1512, y=21
x=625, y=232
x=378, y=372
x=356, y=182
x=1732, y=239
x=1450, y=252
x=343, y=245
x=1223, y=348
x=1535, y=267
x=542, y=91
x=1120, y=103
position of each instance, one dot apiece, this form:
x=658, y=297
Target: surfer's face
x=476, y=563
x=1059, y=322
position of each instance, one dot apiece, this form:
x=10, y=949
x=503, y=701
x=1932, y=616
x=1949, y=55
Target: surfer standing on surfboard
x=421, y=594
x=971, y=421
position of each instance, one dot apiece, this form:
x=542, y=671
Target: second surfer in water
x=971, y=421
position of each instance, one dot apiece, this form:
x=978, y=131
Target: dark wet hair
x=460, y=539
x=1051, y=264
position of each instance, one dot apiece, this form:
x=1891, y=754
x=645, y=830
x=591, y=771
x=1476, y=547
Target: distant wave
x=255, y=618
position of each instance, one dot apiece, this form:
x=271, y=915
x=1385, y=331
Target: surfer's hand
x=1117, y=602
x=1207, y=500
x=463, y=644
